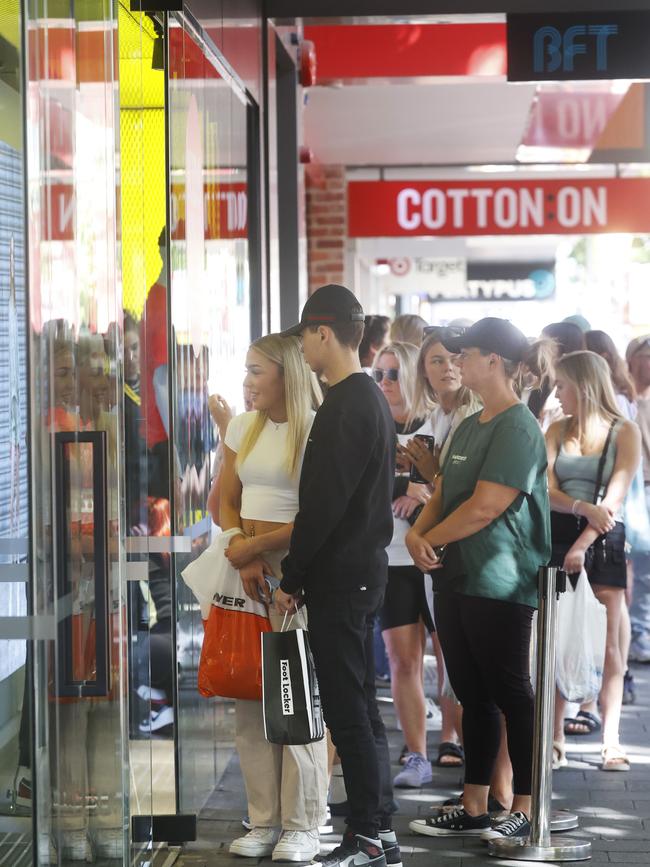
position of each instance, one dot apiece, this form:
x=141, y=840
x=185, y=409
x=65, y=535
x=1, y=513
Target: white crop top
x=269, y=493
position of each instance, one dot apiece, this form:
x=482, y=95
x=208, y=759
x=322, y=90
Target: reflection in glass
x=15, y=706
x=209, y=265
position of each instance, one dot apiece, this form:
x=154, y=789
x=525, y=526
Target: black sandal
x=451, y=750
x=582, y=718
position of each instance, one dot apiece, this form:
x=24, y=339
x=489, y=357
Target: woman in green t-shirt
x=490, y=514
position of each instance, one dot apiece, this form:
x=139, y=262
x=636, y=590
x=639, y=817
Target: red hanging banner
x=531, y=207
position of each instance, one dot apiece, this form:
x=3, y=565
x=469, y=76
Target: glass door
x=78, y=761
x=15, y=621
x=211, y=321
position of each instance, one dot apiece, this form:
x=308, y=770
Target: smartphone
x=271, y=584
x=429, y=442
x=440, y=551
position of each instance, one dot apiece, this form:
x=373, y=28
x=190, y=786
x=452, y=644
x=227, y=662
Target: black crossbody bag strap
x=601, y=463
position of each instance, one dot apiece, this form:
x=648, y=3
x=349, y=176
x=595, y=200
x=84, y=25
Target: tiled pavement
x=614, y=809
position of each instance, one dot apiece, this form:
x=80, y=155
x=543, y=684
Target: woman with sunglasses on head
x=405, y=609
x=593, y=454
x=438, y=386
x=490, y=513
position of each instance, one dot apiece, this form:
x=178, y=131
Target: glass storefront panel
x=143, y=200
x=75, y=391
x=210, y=309
x=15, y=716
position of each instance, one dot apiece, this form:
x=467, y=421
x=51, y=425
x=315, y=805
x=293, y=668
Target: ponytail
x=538, y=362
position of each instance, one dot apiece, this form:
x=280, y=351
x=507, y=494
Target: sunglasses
x=392, y=374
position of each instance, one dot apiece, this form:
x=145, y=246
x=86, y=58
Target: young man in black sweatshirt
x=337, y=564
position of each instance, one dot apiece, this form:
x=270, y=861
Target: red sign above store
x=532, y=207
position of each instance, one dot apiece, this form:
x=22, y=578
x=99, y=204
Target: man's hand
x=286, y=602
x=254, y=580
x=422, y=552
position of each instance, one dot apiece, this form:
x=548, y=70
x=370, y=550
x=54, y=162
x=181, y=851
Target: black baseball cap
x=490, y=334
x=326, y=306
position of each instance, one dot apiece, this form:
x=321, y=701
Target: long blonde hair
x=407, y=355
x=302, y=394
x=424, y=395
x=590, y=375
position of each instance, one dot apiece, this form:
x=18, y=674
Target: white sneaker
x=433, y=716
x=258, y=843
x=297, y=846
x=157, y=719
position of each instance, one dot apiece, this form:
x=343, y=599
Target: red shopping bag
x=231, y=656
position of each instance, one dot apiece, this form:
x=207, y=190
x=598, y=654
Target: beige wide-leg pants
x=286, y=786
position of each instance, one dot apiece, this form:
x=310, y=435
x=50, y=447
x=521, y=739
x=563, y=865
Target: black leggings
x=486, y=645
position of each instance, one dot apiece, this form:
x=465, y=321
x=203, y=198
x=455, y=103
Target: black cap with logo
x=491, y=335
x=328, y=305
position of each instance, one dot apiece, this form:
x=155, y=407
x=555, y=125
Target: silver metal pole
x=540, y=847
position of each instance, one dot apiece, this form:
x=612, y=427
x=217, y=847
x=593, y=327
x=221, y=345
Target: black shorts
x=405, y=601
x=605, y=559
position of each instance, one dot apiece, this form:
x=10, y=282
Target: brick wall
x=326, y=225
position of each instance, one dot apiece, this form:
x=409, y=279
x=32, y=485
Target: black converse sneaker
x=391, y=848
x=355, y=850
x=456, y=823
x=494, y=807
x=515, y=826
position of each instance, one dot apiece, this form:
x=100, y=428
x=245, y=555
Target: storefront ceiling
x=434, y=93
x=407, y=124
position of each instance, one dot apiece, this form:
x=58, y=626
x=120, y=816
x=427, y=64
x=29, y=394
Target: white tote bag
x=581, y=637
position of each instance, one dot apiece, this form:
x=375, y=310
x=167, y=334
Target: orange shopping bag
x=231, y=656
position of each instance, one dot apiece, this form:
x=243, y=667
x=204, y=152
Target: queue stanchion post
x=540, y=846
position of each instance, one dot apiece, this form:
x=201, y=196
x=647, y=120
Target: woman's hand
x=427, y=463
x=403, y=507
x=421, y=493
x=220, y=411
x=601, y=518
x=241, y=551
x=574, y=562
x=253, y=578
x=422, y=552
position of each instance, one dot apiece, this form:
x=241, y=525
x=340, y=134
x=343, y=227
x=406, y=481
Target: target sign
x=399, y=267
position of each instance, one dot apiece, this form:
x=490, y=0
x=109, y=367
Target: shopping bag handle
x=284, y=622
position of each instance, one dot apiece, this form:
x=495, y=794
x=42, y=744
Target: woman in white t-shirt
x=437, y=385
x=405, y=607
x=263, y=453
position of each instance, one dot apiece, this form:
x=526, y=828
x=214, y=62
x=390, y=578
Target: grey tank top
x=577, y=474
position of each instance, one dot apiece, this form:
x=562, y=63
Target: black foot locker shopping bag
x=291, y=700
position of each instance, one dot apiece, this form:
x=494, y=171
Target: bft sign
x=561, y=47
x=555, y=50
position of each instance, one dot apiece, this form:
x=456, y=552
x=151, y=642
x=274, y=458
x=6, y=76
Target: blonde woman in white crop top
x=286, y=786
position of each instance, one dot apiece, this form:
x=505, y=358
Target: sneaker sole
x=296, y=856
x=252, y=853
x=427, y=831
x=397, y=784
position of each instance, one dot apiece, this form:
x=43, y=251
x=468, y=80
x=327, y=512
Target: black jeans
x=486, y=646
x=341, y=639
